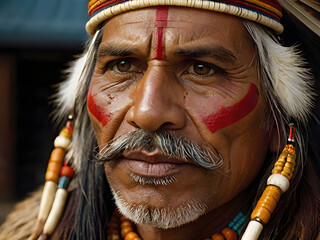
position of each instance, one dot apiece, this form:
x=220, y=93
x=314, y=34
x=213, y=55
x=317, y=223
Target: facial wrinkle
x=161, y=24
x=226, y=116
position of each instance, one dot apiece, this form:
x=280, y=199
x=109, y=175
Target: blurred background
x=37, y=40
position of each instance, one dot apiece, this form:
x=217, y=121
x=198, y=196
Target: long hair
x=297, y=215
x=288, y=87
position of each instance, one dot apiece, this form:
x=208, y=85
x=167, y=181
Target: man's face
x=194, y=74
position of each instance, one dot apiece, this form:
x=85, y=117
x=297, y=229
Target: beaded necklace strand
x=121, y=228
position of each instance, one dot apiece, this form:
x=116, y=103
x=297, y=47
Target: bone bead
x=56, y=211
x=47, y=199
x=253, y=231
x=62, y=142
x=279, y=181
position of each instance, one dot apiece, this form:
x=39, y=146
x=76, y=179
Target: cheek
x=97, y=109
x=226, y=116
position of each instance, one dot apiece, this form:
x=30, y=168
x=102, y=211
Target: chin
x=160, y=217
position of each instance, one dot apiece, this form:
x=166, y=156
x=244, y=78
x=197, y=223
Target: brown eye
x=202, y=69
x=123, y=66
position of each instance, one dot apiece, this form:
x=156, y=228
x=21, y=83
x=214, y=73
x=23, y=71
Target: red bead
x=66, y=171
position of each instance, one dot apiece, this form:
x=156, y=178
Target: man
x=188, y=104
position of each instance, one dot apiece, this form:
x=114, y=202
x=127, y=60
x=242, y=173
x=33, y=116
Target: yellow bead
x=279, y=164
x=285, y=174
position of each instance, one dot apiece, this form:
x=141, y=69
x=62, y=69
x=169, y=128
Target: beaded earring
x=54, y=193
x=277, y=184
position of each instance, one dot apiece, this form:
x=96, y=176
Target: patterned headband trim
x=265, y=12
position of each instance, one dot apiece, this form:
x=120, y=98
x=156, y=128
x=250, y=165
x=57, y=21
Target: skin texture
x=209, y=65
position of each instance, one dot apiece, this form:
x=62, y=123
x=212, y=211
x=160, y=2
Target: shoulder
x=20, y=223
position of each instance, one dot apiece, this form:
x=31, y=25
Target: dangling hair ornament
x=277, y=183
x=53, y=199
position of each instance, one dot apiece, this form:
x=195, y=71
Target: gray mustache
x=169, y=145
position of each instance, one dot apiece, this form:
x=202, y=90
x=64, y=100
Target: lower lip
x=147, y=169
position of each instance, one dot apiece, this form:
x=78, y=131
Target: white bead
x=47, y=198
x=280, y=181
x=62, y=142
x=56, y=211
x=253, y=231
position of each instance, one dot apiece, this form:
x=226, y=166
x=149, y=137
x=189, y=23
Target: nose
x=157, y=102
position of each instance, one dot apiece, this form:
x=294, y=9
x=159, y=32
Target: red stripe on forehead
x=226, y=116
x=161, y=23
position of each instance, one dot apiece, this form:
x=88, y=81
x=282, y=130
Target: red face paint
x=161, y=24
x=226, y=116
x=98, y=112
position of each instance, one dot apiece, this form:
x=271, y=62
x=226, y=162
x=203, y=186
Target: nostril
x=133, y=123
x=167, y=125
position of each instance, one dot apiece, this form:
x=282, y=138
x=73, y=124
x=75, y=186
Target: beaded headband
x=265, y=12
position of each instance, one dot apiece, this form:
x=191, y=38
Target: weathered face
x=193, y=73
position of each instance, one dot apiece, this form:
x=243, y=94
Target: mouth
x=153, y=164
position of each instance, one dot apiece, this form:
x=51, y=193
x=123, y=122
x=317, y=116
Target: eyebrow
x=106, y=51
x=217, y=52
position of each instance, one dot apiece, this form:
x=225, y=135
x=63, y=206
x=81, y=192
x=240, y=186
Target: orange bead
x=229, y=234
x=131, y=236
x=126, y=223
x=125, y=231
x=262, y=213
x=54, y=166
x=52, y=176
x=217, y=236
x=266, y=204
x=57, y=155
x=66, y=171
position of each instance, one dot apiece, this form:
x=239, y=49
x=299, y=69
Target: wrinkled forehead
x=178, y=24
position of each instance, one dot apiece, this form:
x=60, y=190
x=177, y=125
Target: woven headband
x=265, y=12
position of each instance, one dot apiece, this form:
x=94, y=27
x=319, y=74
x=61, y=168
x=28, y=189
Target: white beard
x=163, y=218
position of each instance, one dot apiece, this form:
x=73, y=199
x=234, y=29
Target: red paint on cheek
x=161, y=23
x=226, y=116
x=97, y=111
